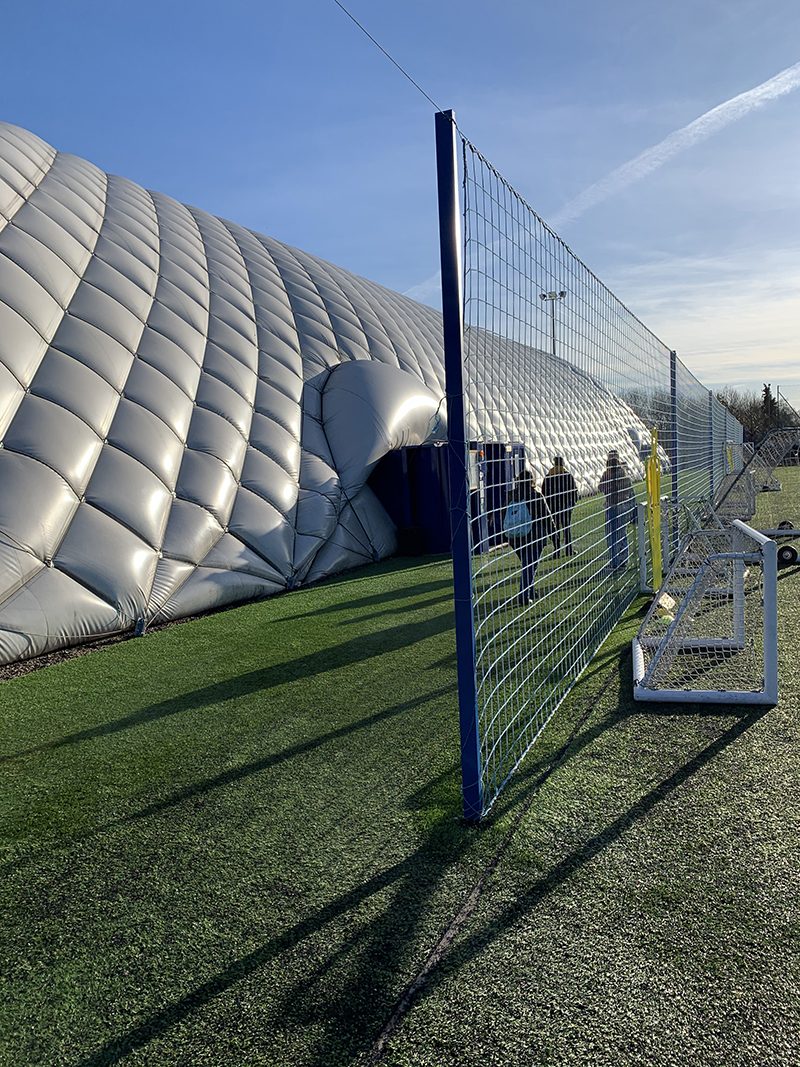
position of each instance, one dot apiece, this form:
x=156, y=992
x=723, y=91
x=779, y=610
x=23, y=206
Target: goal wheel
x=787, y=524
x=787, y=556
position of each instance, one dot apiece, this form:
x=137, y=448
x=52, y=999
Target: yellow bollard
x=653, y=474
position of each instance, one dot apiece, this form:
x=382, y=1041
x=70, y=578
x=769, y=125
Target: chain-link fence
x=562, y=387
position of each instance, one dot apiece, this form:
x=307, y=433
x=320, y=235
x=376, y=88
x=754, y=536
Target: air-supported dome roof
x=163, y=376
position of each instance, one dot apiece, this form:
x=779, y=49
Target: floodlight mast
x=553, y=297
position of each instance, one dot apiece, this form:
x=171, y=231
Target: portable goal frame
x=654, y=655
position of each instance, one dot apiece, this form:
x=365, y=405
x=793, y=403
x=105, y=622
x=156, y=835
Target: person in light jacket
x=620, y=509
x=529, y=547
x=561, y=493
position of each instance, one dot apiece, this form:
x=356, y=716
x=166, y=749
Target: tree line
x=758, y=412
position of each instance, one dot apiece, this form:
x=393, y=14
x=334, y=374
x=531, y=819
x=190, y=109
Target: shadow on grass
x=373, y=599
x=450, y=660
x=412, y=871
x=570, y=864
x=245, y=770
x=348, y=1012
x=236, y=774
x=333, y=658
x=356, y=1010
x=416, y=605
x=362, y=1002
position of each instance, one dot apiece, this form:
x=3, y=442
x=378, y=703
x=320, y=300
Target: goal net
x=711, y=634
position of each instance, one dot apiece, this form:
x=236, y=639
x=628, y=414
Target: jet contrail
x=652, y=158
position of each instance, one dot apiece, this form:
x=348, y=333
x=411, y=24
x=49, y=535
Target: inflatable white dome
x=190, y=411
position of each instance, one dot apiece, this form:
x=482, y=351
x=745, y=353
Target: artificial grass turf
x=227, y=842
x=646, y=912
x=236, y=840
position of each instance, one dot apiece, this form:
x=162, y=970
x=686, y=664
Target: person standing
x=620, y=509
x=561, y=493
x=528, y=524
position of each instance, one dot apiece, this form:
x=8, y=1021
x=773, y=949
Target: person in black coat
x=561, y=493
x=620, y=510
x=528, y=545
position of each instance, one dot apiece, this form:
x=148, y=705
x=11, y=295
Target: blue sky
x=283, y=117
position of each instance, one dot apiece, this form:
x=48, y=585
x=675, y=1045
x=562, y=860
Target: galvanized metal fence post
x=457, y=454
x=674, y=450
x=711, y=448
x=771, y=622
x=641, y=542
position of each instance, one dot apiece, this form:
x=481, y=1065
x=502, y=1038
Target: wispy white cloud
x=734, y=319
x=702, y=128
x=428, y=291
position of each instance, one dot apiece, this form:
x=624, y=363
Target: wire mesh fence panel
x=755, y=473
x=719, y=431
x=563, y=387
x=734, y=437
x=695, y=443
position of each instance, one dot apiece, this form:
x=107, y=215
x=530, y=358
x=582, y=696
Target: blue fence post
x=458, y=473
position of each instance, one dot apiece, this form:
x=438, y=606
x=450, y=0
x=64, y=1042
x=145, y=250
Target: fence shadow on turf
x=361, y=1000
x=236, y=774
x=373, y=599
x=450, y=660
x=349, y=652
x=418, y=876
x=379, y=943
x=472, y=945
x=348, y=1009
x=246, y=770
x=416, y=605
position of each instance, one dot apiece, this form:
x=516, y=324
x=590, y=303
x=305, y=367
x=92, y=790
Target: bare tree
x=758, y=412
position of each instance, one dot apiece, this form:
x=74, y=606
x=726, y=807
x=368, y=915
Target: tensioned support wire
x=543, y=364
x=387, y=54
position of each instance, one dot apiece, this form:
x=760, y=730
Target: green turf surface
x=235, y=842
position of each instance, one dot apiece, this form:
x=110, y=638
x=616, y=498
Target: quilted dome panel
x=163, y=440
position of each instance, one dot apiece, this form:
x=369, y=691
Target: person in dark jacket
x=620, y=509
x=529, y=546
x=561, y=493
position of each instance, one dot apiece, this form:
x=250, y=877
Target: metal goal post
x=711, y=635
